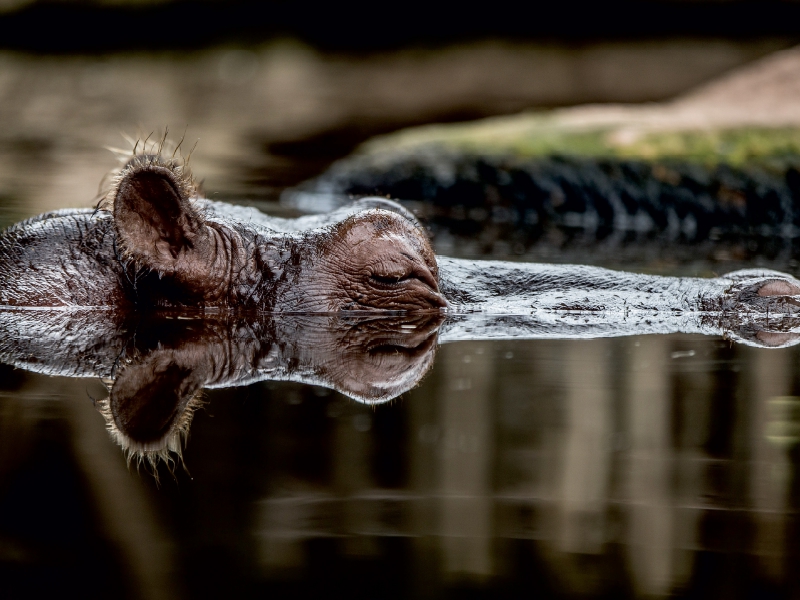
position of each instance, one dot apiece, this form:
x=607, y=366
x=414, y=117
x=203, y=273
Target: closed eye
x=391, y=280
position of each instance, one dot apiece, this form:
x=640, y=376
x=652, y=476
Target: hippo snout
x=399, y=277
x=379, y=260
x=395, y=263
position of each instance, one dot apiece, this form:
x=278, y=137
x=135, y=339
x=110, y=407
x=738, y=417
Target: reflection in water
x=638, y=465
x=156, y=364
x=556, y=460
x=566, y=457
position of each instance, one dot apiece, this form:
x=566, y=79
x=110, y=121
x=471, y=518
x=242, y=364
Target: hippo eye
x=390, y=280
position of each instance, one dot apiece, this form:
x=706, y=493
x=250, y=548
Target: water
x=635, y=466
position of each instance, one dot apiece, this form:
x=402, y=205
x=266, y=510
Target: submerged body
x=156, y=244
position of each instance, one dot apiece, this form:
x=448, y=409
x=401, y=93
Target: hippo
x=160, y=293
x=155, y=243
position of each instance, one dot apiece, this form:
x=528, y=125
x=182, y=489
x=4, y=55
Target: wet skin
x=155, y=243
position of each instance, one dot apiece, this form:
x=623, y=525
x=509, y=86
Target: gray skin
x=155, y=244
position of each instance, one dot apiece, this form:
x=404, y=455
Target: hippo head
x=374, y=260
x=176, y=252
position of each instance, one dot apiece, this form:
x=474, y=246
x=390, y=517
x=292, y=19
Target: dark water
x=638, y=466
x=607, y=468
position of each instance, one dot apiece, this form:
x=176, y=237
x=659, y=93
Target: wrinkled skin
x=156, y=244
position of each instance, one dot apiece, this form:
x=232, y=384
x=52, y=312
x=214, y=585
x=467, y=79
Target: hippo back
x=61, y=258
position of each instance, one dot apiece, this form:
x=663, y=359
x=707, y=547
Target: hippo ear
x=153, y=214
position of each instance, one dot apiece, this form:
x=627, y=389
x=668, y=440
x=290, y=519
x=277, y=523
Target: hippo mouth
x=397, y=294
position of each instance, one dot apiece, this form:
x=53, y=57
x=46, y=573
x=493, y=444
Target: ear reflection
x=150, y=406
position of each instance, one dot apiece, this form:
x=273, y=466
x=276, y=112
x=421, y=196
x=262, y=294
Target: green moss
x=538, y=135
x=734, y=146
x=546, y=143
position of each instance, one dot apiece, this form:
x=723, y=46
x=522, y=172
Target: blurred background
x=637, y=467
x=275, y=91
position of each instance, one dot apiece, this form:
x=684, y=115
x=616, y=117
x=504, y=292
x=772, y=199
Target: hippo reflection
x=155, y=243
x=155, y=364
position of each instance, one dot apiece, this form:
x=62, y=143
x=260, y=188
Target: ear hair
x=179, y=174
x=170, y=449
x=151, y=200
